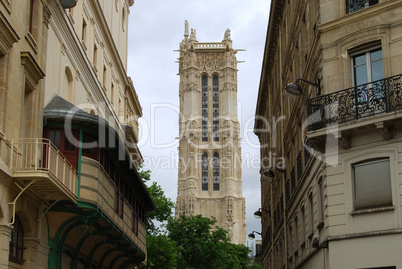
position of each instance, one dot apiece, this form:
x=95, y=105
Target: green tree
x=202, y=245
x=161, y=252
x=164, y=206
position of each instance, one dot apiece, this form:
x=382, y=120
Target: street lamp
x=68, y=3
x=258, y=213
x=252, y=236
x=269, y=173
x=294, y=90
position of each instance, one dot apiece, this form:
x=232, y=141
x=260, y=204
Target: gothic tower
x=209, y=181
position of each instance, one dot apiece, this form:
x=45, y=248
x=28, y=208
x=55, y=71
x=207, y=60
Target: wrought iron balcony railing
x=378, y=97
x=355, y=5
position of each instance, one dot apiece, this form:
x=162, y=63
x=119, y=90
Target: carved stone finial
x=227, y=34
x=186, y=29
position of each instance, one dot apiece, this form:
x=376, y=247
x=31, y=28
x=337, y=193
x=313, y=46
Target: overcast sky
x=155, y=30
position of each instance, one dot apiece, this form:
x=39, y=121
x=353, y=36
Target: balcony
x=353, y=105
x=98, y=189
x=38, y=163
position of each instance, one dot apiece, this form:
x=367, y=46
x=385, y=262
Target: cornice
x=360, y=15
x=276, y=11
x=7, y=35
x=33, y=72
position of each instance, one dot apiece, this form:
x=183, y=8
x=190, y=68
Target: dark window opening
x=17, y=242
x=204, y=171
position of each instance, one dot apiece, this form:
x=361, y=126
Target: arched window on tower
x=204, y=108
x=216, y=171
x=215, y=89
x=205, y=171
x=17, y=242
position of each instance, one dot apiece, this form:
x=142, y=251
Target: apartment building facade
x=329, y=105
x=70, y=193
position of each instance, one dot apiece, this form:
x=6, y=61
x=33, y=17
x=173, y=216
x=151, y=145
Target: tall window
x=372, y=184
x=303, y=225
x=321, y=197
x=367, y=67
x=204, y=108
x=204, y=171
x=355, y=5
x=31, y=16
x=216, y=171
x=84, y=31
x=311, y=213
x=17, y=242
x=215, y=90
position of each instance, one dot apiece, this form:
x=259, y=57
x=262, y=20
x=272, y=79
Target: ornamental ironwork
x=355, y=5
x=378, y=97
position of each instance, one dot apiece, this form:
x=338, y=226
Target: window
x=204, y=171
x=321, y=198
x=215, y=104
x=17, y=242
x=372, y=184
x=303, y=225
x=84, y=30
x=104, y=76
x=311, y=213
x=367, y=67
x=31, y=16
x=355, y=5
x=204, y=108
x=296, y=237
x=95, y=56
x=90, y=147
x=216, y=171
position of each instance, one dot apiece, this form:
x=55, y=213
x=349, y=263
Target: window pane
x=57, y=139
x=372, y=184
x=377, y=71
x=376, y=55
x=359, y=60
x=360, y=75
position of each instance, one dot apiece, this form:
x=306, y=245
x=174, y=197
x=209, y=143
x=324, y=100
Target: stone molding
x=33, y=72
x=7, y=35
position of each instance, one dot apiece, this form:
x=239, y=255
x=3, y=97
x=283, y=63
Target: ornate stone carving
x=46, y=16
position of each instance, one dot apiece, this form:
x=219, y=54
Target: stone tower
x=209, y=181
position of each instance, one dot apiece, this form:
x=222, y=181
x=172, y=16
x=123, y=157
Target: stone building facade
x=210, y=180
x=70, y=195
x=337, y=201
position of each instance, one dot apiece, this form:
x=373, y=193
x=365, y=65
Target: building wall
x=318, y=40
x=47, y=54
x=226, y=204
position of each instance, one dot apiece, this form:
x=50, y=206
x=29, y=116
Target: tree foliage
x=188, y=242
x=202, y=245
x=164, y=206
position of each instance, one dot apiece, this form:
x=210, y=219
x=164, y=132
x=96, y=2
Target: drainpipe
x=285, y=223
x=79, y=160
